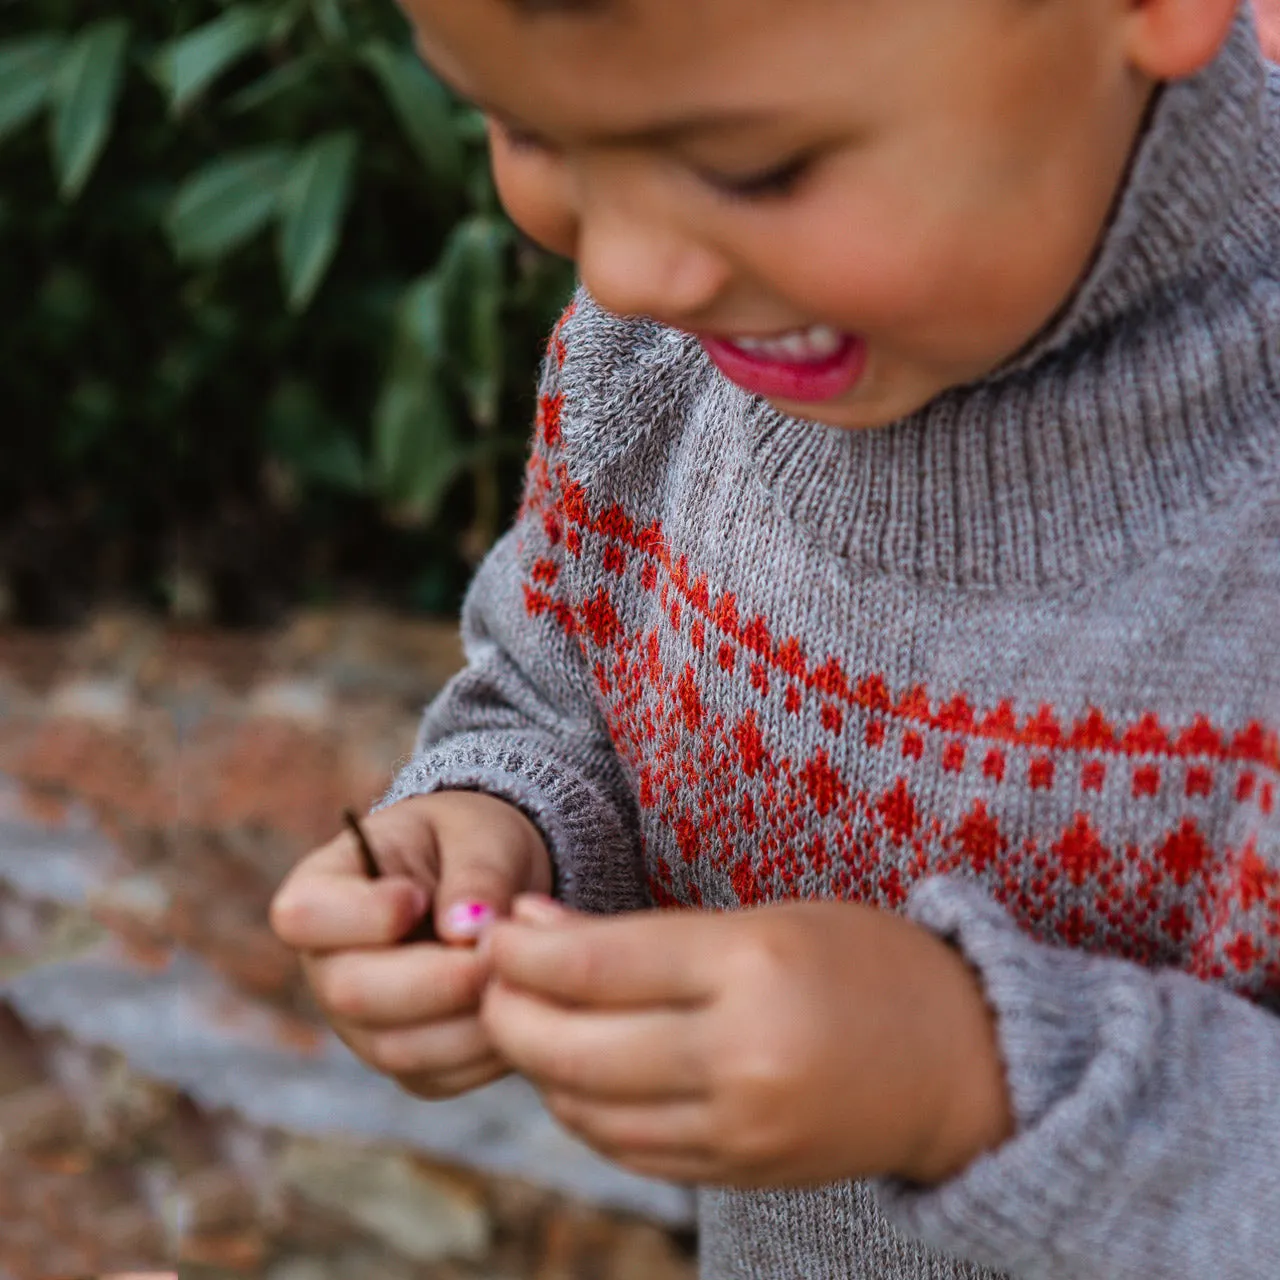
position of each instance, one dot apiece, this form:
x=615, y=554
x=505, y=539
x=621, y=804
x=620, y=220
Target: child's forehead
x=656, y=32
x=617, y=55
x=615, y=16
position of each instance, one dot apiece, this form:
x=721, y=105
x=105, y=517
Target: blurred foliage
x=269, y=337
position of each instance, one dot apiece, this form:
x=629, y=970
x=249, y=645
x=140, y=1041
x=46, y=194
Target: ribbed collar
x=1146, y=398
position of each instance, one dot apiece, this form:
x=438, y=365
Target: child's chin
x=872, y=404
x=851, y=413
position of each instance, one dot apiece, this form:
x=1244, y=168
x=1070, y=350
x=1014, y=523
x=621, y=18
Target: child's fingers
x=451, y=1084
x=444, y=1048
x=429, y=1065
x=340, y=857
x=321, y=911
x=539, y=908
x=646, y=958
x=328, y=902
x=478, y=880
x=631, y=1055
x=421, y=982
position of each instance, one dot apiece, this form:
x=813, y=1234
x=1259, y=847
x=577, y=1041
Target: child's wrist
x=973, y=1113
x=542, y=877
x=540, y=874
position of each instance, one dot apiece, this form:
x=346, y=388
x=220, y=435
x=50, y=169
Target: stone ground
x=168, y=1095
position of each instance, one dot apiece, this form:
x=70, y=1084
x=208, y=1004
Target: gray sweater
x=1011, y=666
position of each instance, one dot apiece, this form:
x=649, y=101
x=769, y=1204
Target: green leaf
x=336, y=462
x=226, y=203
x=471, y=127
x=84, y=92
x=482, y=194
x=27, y=69
x=270, y=86
x=416, y=452
x=423, y=107
x=301, y=433
x=195, y=60
x=422, y=320
x=284, y=19
x=474, y=268
x=313, y=203
x=329, y=20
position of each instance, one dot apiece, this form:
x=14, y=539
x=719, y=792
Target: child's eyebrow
x=705, y=121
x=660, y=131
x=538, y=8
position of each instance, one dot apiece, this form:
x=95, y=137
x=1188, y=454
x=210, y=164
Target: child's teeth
x=815, y=343
x=824, y=339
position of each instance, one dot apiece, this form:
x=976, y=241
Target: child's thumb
x=470, y=898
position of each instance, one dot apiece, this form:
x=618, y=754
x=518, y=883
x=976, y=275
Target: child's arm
x=804, y=1043
x=519, y=721
x=1147, y=1107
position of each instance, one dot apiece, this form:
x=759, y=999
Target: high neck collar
x=1135, y=406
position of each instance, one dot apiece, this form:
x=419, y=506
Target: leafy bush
x=269, y=335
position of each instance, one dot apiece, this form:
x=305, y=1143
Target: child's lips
x=781, y=376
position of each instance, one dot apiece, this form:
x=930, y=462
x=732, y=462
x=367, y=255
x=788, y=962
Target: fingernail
x=537, y=909
x=468, y=919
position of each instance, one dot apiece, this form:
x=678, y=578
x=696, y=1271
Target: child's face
x=927, y=178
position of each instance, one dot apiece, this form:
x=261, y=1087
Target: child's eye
x=781, y=180
x=520, y=139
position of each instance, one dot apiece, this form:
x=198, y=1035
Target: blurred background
x=267, y=372
x=273, y=340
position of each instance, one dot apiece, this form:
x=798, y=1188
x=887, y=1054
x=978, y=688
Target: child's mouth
x=811, y=364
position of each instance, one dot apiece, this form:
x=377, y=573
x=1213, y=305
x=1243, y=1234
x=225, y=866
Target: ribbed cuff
x=1078, y=1035
x=595, y=860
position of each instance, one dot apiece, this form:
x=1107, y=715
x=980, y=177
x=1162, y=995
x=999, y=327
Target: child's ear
x=1169, y=39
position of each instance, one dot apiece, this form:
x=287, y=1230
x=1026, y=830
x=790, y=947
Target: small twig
x=424, y=930
x=371, y=868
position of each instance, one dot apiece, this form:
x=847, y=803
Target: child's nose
x=633, y=267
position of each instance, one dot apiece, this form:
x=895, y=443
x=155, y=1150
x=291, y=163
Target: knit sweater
x=1011, y=666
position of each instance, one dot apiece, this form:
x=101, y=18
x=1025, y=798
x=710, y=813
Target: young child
x=899, y=559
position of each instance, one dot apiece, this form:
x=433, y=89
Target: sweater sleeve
x=1148, y=1116
x=519, y=721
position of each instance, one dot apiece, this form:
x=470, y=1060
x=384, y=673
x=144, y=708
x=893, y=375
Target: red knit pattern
x=778, y=827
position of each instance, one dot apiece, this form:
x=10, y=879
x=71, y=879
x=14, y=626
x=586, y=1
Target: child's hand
x=795, y=1044
x=411, y=1010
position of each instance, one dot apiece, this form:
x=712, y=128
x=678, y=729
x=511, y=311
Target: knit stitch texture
x=1011, y=666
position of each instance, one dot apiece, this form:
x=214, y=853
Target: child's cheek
x=948, y=295
x=532, y=192
x=1268, y=13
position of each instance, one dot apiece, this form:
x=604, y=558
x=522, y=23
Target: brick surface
x=155, y=1181
x=215, y=760
x=210, y=762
